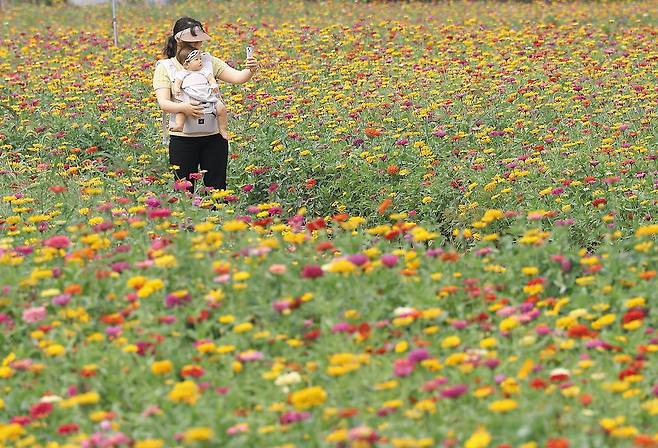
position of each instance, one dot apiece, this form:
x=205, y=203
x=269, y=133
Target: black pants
x=192, y=154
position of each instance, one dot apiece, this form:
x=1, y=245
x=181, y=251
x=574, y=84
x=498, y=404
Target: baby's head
x=190, y=58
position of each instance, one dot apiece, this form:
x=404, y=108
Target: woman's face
x=195, y=45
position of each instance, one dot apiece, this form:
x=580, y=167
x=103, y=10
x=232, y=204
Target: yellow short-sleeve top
x=161, y=81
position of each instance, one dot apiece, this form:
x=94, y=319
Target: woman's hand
x=252, y=64
x=192, y=109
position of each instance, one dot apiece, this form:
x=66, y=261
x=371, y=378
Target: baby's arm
x=177, y=86
x=212, y=82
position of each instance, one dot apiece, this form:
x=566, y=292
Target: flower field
x=440, y=230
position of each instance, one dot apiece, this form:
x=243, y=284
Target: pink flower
x=35, y=314
x=182, y=185
x=278, y=269
x=159, y=213
x=236, y=429
x=403, y=367
x=281, y=305
x=250, y=356
x=57, y=242
x=151, y=410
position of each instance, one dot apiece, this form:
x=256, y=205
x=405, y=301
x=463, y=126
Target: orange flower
x=393, y=169
x=386, y=203
x=373, y=132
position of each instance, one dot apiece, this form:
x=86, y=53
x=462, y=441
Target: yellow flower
x=603, y=321
x=508, y=324
x=197, y=434
x=392, y=384
x=55, y=350
x=165, y=261
x=647, y=230
x=11, y=431
x=479, y=439
x=308, y=398
x=530, y=270
x=161, y=367
x=234, y=226
x=186, y=392
x=243, y=327
x=450, y=342
x=503, y=406
x=340, y=435
x=150, y=443
x=342, y=266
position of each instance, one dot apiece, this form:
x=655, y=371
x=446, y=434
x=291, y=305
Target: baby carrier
x=207, y=123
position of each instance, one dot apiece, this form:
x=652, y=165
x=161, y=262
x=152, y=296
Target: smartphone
x=250, y=51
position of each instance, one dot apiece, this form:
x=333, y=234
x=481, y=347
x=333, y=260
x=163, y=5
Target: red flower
x=68, y=428
x=193, y=371
x=316, y=224
x=537, y=383
x=557, y=443
x=312, y=335
x=585, y=399
x=579, y=331
x=40, y=410
x=631, y=315
x=599, y=201
x=324, y=246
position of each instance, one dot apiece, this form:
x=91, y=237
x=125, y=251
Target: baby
x=199, y=84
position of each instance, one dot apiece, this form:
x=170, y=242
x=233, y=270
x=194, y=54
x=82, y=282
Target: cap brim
x=200, y=37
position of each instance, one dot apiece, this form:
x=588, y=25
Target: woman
x=188, y=152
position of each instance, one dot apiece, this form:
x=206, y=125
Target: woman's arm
x=164, y=101
x=234, y=76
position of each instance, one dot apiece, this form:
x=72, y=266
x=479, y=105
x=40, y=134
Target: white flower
x=288, y=378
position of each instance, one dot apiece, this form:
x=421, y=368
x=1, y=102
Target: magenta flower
x=152, y=202
x=454, y=391
x=418, y=355
x=293, y=417
x=341, y=327
x=389, y=260
x=312, y=271
x=358, y=259
x=61, y=300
